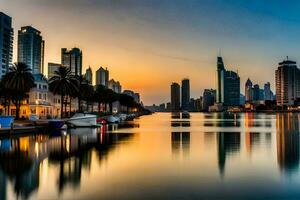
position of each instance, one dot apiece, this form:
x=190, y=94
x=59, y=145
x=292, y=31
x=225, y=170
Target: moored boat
x=82, y=120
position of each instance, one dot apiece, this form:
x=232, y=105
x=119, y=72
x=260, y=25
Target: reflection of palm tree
x=63, y=83
x=18, y=81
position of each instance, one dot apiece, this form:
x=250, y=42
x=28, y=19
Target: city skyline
x=103, y=44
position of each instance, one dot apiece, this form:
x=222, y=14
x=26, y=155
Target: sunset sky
x=147, y=44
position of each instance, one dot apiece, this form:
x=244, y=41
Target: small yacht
x=82, y=120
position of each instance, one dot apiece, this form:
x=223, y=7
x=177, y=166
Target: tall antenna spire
x=220, y=52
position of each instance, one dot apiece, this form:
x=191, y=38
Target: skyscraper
x=175, y=97
x=287, y=83
x=89, y=75
x=231, y=89
x=72, y=59
x=228, y=85
x=102, y=77
x=52, y=67
x=185, y=94
x=220, y=80
x=31, y=48
x=6, y=43
x=256, y=92
x=248, y=91
x=267, y=91
x=209, y=97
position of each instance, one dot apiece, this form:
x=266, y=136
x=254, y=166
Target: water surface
x=161, y=156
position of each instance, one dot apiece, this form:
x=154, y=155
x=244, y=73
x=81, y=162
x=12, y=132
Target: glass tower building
x=6, y=43
x=31, y=48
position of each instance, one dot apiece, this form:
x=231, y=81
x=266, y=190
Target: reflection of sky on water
x=158, y=156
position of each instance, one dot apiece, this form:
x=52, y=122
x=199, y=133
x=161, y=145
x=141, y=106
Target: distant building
x=248, y=90
x=185, y=94
x=102, y=77
x=242, y=99
x=89, y=75
x=175, y=97
x=199, y=104
x=72, y=59
x=115, y=86
x=287, y=83
x=31, y=49
x=6, y=43
x=268, y=94
x=209, y=98
x=52, y=67
x=228, y=85
x=168, y=106
x=256, y=92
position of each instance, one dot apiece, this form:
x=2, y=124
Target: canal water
x=160, y=156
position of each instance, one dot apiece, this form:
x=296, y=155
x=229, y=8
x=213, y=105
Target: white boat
x=112, y=119
x=82, y=120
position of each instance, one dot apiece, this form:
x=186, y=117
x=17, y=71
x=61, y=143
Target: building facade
x=52, y=67
x=185, y=94
x=115, y=86
x=102, y=77
x=209, y=98
x=228, y=85
x=175, y=97
x=231, y=89
x=31, y=49
x=287, y=83
x=248, y=90
x=6, y=43
x=89, y=75
x=268, y=94
x=73, y=59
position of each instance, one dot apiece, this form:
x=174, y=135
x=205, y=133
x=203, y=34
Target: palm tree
x=82, y=84
x=63, y=83
x=19, y=80
x=126, y=100
x=99, y=95
x=88, y=94
x=110, y=97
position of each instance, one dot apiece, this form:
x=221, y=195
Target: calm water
x=211, y=156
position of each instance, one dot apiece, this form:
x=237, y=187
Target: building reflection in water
x=287, y=125
x=21, y=158
x=228, y=145
x=180, y=142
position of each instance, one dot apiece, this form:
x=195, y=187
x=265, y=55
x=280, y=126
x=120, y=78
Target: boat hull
x=86, y=121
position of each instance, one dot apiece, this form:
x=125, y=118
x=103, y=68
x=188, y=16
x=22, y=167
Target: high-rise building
x=185, y=94
x=6, y=43
x=287, y=83
x=89, y=75
x=228, y=85
x=256, y=92
x=115, y=86
x=72, y=59
x=248, y=90
x=220, y=80
x=102, y=77
x=267, y=91
x=231, y=89
x=31, y=48
x=175, y=97
x=209, y=97
x=52, y=67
